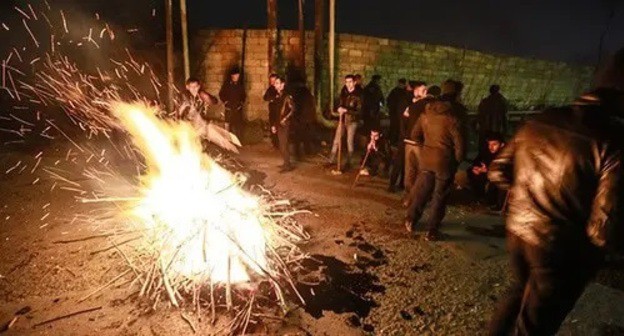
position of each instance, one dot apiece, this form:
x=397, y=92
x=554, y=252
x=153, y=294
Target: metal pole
x=185, y=42
x=170, y=61
x=332, y=42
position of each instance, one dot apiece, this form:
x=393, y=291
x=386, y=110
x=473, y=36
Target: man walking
x=349, y=110
x=492, y=116
x=443, y=148
x=233, y=95
x=270, y=96
x=564, y=173
x=286, y=109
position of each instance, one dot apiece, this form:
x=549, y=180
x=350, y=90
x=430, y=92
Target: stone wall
x=525, y=82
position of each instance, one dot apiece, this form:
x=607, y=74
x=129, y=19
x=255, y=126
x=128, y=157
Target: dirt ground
x=382, y=281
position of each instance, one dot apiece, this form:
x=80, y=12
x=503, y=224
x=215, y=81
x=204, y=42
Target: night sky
x=566, y=30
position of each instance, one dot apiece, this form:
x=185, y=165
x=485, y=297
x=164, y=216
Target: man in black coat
x=373, y=100
x=270, y=96
x=393, y=100
x=233, y=95
x=564, y=170
x=286, y=111
x=492, y=116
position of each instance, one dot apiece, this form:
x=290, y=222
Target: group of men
x=560, y=173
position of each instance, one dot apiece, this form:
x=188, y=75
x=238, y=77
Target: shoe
x=432, y=236
x=286, y=169
x=409, y=225
x=364, y=172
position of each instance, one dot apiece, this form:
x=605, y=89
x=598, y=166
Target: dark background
x=565, y=30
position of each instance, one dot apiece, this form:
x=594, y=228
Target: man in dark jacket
x=412, y=148
x=270, y=96
x=492, y=116
x=477, y=173
x=371, y=106
x=393, y=100
x=302, y=128
x=233, y=95
x=403, y=102
x=349, y=110
x=564, y=173
x=443, y=148
x=286, y=110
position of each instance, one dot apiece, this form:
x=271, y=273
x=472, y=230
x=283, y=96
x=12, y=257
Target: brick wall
x=525, y=82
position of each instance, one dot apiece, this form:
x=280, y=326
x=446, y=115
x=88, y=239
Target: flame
x=208, y=227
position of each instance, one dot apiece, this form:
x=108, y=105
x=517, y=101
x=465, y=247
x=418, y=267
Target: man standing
x=233, y=95
x=371, y=106
x=439, y=131
x=410, y=116
x=349, y=109
x=397, y=173
x=393, y=100
x=492, y=116
x=286, y=109
x=270, y=96
x=564, y=173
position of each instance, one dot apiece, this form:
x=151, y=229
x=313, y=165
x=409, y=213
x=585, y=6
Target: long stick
x=357, y=177
x=105, y=286
x=68, y=315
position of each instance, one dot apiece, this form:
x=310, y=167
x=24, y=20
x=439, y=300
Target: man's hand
x=273, y=129
x=476, y=170
x=342, y=110
x=406, y=113
x=484, y=168
x=283, y=122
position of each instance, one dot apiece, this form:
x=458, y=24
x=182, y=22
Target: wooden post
x=301, y=38
x=332, y=45
x=170, y=60
x=319, y=16
x=185, y=42
x=272, y=33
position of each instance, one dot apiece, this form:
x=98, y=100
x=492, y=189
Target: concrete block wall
x=525, y=82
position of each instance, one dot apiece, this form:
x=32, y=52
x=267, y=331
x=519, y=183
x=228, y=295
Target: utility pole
x=185, y=42
x=332, y=45
x=272, y=33
x=319, y=17
x=301, y=38
x=170, y=61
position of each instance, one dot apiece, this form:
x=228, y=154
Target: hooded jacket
x=439, y=131
x=564, y=172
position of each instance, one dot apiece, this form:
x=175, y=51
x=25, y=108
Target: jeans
x=397, y=173
x=284, y=144
x=412, y=153
x=548, y=281
x=429, y=189
x=350, y=129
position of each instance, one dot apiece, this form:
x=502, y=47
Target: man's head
x=350, y=82
x=375, y=135
x=193, y=86
x=452, y=89
x=235, y=75
x=272, y=79
x=279, y=83
x=358, y=79
x=434, y=90
x=494, y=89
x=376, y=79
x=402, y=82
x=495, y=142
x=410, y=85
x=420, y=89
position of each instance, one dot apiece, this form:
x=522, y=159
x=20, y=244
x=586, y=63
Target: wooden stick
x=84, y=311
x=189, y=322
x=105, y=286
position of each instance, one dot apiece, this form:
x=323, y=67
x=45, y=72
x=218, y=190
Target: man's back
x=438, y=129
x=565, y=168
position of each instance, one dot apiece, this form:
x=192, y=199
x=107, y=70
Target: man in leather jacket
x=349, y=110
x=439, y=130
x=286, y=109
x=564, y=173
